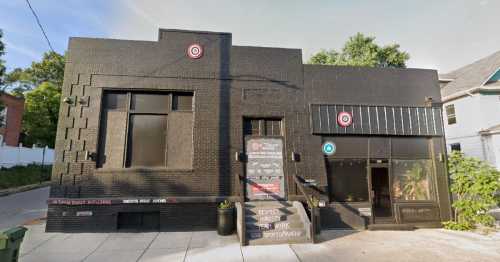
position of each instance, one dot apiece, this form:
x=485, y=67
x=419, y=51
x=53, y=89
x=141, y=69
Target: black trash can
x=225, y=221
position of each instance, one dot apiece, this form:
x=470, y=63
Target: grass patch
x=23, y=175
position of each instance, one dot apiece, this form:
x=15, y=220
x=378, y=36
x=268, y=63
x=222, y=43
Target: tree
x=475, y=185
x=40, y=85
x=40, y=114
x=2, y=73
x=2, y=62
x=361, y=50
x=50, y=69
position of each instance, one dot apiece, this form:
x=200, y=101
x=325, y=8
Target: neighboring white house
x=471, y=97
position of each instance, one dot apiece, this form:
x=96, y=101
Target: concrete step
x=270, y=211
x=275, y=225
x=271, y=219
x=268, y=204
x=276, y=234
x=277, y=237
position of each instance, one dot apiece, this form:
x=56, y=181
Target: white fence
x=16, y=156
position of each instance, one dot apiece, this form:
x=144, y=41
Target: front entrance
x=381, y=195
x=265, y=178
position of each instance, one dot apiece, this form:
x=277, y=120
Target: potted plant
x=225, y=218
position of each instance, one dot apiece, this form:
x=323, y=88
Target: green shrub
x=23, y=175
x=225, y=204
x=475, y=185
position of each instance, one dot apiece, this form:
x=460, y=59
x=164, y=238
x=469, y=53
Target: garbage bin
x=10, y=243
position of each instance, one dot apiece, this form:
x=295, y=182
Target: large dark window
x=347, y=180
x=135, y=129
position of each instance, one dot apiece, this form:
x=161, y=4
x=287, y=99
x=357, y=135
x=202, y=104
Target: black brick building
x=157, y=133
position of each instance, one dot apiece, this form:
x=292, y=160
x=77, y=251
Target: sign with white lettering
x=265, y=176
x=365, y=211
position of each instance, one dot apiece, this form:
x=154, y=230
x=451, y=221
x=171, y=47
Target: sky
x=438, y=34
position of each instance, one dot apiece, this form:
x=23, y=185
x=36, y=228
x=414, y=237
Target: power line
x=40, y=25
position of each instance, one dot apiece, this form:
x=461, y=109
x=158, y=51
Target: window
x=347, y=180
x=135, y=130
x=3, y=117
x=455, y=147
x=411, y=179
x=450, y=114
x=262, y=127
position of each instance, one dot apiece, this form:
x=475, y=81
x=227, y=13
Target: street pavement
x=340, y=245
x=18, y=208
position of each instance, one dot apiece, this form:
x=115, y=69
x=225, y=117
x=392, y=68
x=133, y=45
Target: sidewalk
x=419, y=245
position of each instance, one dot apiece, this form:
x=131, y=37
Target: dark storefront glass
x=146, y=120
x=147, y=140
x=347, y=180
x=412, y=179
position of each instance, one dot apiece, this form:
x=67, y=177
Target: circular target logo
x=329, y=148
x=195, y=51
x=344, y=119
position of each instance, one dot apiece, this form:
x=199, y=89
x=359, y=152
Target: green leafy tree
x=40, y=114
x=475, y=185
x=2, y=73
x=40, y=85
x=361, y=50
x=50, y=69
x=2, y=62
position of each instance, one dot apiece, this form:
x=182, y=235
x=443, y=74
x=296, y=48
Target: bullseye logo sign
x=344, y=119
x=195, y=51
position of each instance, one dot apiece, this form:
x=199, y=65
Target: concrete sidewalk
x=419, y=245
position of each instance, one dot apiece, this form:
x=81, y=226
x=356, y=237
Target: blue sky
x=439, y=34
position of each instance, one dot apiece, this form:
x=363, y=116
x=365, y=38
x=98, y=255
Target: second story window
x=3, y=117
x=450, y=114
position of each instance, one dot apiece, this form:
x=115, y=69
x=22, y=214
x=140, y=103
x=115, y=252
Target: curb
x=10, y=191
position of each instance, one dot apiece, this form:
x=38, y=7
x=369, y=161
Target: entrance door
x=381, y=195
x=264, y=169
x=265, y=178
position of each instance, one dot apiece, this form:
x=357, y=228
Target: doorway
x=264, y=167
x=381, y=195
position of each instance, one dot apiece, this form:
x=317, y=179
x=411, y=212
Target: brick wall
x=15, y=109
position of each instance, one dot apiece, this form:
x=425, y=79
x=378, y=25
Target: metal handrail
x=241, y=189
x=310, y=204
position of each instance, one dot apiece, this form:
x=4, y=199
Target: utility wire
x=40, y=25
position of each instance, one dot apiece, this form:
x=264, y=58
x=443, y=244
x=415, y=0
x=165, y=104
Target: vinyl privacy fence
x=21, y=156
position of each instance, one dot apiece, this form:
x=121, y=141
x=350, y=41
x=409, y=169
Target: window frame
x=126, y=161
x=451, y=117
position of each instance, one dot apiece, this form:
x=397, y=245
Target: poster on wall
x=264, y=169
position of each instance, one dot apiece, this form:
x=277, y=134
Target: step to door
x=275, y=225
x=260, y=211
x=273, y=222
x=274, y=237
x=271, y=219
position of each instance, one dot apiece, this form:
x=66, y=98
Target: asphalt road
x=22, y=207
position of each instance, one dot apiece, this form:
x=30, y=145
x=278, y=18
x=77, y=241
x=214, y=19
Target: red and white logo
x=195, y=51
x=344, y=119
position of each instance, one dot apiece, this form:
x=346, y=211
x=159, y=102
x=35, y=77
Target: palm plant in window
x=415, y=182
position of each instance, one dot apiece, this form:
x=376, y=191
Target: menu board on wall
x=264, y=169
